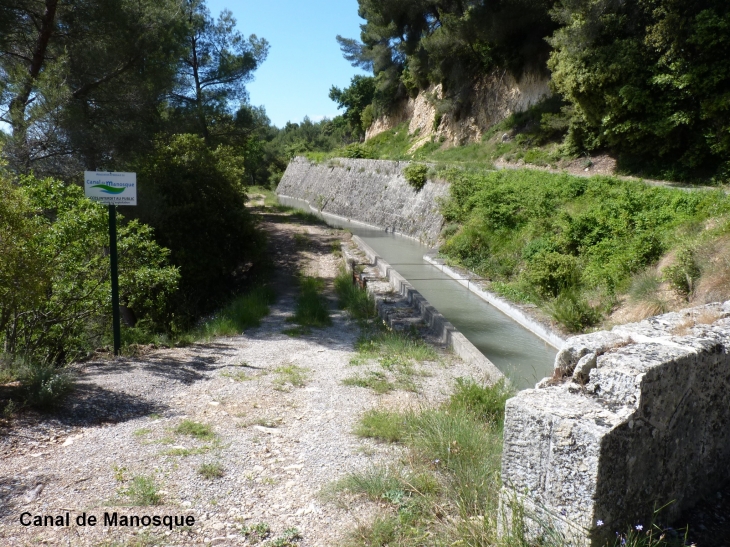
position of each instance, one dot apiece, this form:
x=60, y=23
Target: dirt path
x=275, y=444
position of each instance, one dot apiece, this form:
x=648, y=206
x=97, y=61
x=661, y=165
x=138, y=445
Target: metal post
x=115, y=278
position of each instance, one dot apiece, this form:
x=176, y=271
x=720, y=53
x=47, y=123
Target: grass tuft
x=311, y=308
x=246, y=311
x=195, y=429
x=382, y=424
x=356, y=301
x=142, y=491
x=211, y=470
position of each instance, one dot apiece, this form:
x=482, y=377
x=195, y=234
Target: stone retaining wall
x=631, y=420
x=370, y=191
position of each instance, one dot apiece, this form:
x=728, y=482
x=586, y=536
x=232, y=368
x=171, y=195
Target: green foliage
x=358, y=302
x=243, y=312
x=256, y=533
x=416, y=174
x=647, y=79
x=195, y=429
x=355, y=99
x=484, y=402
x=59, y=309
x=410, y=45
x=382, y=424
x=211, y=470
x=142, y=491
x=311, y=308
x=548, y=234
x=683, y=274
x=572, y=310
x=293, y=375
x=43, y=386
x=192, y=197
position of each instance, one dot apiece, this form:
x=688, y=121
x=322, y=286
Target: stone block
x=643, y=421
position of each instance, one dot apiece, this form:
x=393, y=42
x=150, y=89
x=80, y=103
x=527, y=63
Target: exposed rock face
x=370, y=191
x=493, y=99
x=641, y=419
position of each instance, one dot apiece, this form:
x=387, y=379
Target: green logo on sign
x=109, y=189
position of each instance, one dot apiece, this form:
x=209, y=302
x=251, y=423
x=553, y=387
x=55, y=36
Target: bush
x=194, y=199
x=43, y=386
x=683, y=274
x=416, y=174
x=573, y=311
x=552, y=272
x=54, y=280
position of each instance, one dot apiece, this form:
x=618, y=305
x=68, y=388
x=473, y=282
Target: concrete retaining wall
x=631, y=420
x=370, y=191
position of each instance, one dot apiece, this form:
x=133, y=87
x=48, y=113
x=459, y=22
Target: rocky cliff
x=492, y=100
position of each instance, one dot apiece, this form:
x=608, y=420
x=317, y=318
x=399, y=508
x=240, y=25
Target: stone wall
x=370, y=191
x=631, y=420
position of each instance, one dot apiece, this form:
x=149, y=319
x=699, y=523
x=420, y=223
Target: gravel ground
x=278, y=445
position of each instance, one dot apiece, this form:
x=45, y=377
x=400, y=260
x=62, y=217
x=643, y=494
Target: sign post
x=112, y=189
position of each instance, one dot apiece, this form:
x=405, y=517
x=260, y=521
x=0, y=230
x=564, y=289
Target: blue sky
x=304, y=60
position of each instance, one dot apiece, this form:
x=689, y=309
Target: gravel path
x=277, y=445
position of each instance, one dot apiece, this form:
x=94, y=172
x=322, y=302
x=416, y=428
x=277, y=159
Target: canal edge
x=536, y=328
x=441, y=327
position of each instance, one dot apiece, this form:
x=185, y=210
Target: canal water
x=518, y=353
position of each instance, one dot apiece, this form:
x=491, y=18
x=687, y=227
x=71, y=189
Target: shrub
x=683, y=274
x=416, y=174
x=573, y=311
x=54, y=278
x=552, y=272
x=194, y=198
x=43, y=386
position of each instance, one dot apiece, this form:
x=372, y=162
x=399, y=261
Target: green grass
x=377, y=381
x=245, y=311
x=383, y=425
x=198, y=430
x=450, y=479
x=142, y=491
x=211, y=470
x=358, y=303
x=289, y=376
x=311, y=308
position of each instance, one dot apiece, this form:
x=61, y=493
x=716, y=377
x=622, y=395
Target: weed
x=142, y=490
x=142, y=432
x=375, y=380
x=484, y=402
x=244, y=312
x=185, y=452
x=287, y=539
x=301, y=240
x=211, y=470
x=382, y=424
x=256, y=533
x=573, y=311
x=195, y=429
x=43, y=386
x=293, y=375
x=119, y=473
x=357, y=301
x=311, y=308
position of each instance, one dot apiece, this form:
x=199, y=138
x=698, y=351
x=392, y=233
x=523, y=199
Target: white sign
x=111, y=188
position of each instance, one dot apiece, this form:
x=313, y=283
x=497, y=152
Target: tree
x=355, y=99
x=78, y=76
x=217, y=63
x=648, y=79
